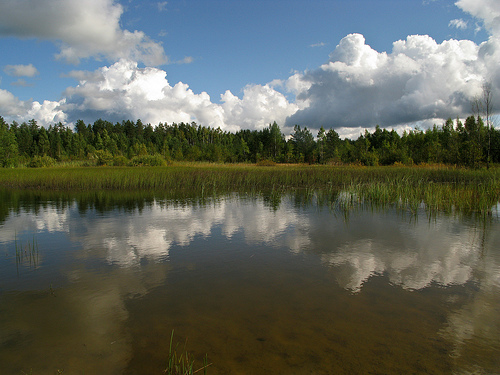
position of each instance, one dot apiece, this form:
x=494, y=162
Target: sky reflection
x=96, y=261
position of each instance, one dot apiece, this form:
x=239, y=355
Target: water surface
x=261, y=284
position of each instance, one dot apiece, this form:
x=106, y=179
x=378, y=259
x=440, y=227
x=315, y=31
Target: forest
x=470, y=144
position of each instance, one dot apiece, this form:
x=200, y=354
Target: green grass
x=439, y=188
x=181, y=362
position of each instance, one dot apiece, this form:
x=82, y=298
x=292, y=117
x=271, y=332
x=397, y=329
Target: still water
x=261, y=285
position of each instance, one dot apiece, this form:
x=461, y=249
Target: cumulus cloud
x=13, y=109
x=419, y=80
x=10, y=106
x=125, y=91
x=83, y=28
x=259, y=106
x=21, y=70
x=488, y=11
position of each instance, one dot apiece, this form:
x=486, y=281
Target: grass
x=438, y=187
x=183, y=363
x=24, y=252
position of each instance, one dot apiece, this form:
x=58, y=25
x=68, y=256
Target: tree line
x=469, y=144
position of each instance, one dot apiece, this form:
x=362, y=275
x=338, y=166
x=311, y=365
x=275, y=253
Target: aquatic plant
x=438, y=187
x=28, y=251
x=183, y=363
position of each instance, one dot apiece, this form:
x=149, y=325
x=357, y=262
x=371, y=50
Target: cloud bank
x=420, y=79
x=124, y=90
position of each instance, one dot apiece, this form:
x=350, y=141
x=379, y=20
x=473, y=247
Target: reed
x=183, y=363
x=438, y=187
x=26, y=252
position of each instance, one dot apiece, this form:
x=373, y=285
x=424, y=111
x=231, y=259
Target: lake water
x=262, y=285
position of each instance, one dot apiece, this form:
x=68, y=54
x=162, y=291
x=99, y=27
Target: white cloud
x=125, y=91
x=259, y=106
x=419, y=80
x=162, y=6
x=458, y=24
x=13, y=109
x=21, y=82
x=186, y=60
x=486, y=10
x=84, y=29
x=10, y=106
x=21, y=70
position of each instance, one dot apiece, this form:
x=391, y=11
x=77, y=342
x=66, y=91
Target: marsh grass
x=438, y=188
x=27, y=252
x=182, y=363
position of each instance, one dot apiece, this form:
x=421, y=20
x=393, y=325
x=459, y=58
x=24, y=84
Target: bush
x=103, y=157
x=41, y=161
x=266, y=163
x=120, y=161
x=148, y=161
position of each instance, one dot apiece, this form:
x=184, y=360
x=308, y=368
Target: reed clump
x=438, y=187
x=182, y=363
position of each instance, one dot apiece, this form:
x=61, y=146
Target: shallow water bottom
x=259, y=290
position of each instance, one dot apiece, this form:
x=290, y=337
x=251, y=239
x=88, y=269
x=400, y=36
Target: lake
x=95, y=283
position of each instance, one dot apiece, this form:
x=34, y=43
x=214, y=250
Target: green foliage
x=41, y=161
x=148, y=161
x=450, y=189
x=103, y=157
x=120, y=161
x=180, y=362
x=103, y=143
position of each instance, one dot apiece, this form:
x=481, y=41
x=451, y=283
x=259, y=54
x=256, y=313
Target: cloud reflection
x=412, y=254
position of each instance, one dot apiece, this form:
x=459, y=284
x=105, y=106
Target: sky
x=347, y=65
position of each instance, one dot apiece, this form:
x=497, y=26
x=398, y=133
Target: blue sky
x=243, y=64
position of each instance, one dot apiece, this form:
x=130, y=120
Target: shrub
x=266, y=163
x=148, y=161
x=120, y=161
x=41, y=161
x=103, y=157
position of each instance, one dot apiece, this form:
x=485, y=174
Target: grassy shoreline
x=439, y=187
x=236, y=176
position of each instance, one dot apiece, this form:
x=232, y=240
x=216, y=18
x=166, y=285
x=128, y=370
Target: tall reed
x=440, y=188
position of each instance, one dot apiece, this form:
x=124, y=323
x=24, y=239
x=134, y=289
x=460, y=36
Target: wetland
x=346, y=277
